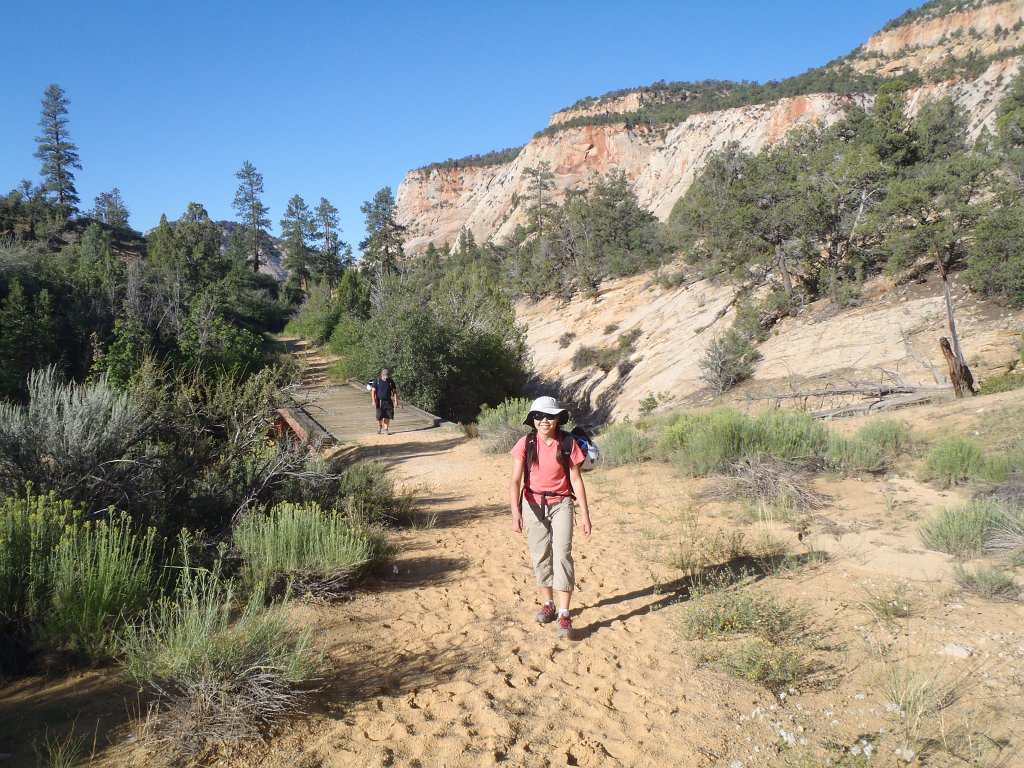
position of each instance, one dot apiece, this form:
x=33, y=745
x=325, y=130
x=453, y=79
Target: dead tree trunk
x=959, y=373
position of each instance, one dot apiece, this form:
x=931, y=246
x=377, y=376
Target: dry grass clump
x=993, y=583
x=890, y=603
x=916, y=691
x=767, y=480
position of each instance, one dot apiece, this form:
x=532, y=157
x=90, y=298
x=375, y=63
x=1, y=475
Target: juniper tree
x=250, y=208
x=58, y=153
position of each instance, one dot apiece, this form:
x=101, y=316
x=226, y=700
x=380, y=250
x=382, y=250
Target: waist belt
x=545, y=494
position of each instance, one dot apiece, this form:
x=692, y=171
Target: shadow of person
x=738, y=569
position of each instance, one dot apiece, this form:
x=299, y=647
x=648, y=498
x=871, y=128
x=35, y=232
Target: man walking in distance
x=384, y=394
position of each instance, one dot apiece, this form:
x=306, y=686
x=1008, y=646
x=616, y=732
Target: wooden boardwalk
x=345, y=411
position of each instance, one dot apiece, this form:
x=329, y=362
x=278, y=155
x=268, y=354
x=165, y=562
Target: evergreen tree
x=58, y=153
x=109, y=208
x=382, y=247
x=16, y=341
x=540, y=181
x=332, y=250
x=251, y=210
x=298, y=228
x=198, y=239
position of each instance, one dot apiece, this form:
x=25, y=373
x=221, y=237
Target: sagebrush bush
x=77, y=440
x=604, y=358
x=217, y=674
x=776, y=667
x=955, y=459
x=307, y=550
x=368, y=493
x=501, y=427
x=624, y=444
x=963, y=530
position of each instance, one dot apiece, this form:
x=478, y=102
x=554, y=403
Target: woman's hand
x=517, y=521
x=585, y=523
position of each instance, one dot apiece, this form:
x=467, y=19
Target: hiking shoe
x=565, y=626
x=547, y=613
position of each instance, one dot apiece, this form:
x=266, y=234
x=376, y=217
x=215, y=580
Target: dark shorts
x=386, y=411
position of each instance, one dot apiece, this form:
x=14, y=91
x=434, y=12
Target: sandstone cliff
x=661, y=162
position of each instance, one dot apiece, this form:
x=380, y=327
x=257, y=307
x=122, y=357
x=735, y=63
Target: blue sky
x=338, y=99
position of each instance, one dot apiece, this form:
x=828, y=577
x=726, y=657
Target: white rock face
x=818, y=348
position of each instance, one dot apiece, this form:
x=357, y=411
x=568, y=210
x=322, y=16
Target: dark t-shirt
x=384, y=387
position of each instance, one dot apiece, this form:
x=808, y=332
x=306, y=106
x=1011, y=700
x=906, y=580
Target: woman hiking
x=545, y=478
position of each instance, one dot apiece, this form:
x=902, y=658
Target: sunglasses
x=536, y=416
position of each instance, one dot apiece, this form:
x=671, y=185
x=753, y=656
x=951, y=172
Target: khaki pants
x=549, y=533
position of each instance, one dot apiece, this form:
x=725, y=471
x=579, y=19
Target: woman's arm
x=580, y=490
x=514, y=494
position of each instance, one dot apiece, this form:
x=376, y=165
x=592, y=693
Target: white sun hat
x=547, y=405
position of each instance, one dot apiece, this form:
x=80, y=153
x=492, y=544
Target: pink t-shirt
x=547, y=475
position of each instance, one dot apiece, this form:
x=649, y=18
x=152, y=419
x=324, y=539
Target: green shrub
x=501, y=427
x=988, y=582
x=728, y=360
x=623, y=444
x=893, y=438
x=712, y=441
x=876, y=447
x=219, y=675
x=70, y=584
x=102, y=573
x=955, y=459
x=604, y=358
x=962, y=531
x=648, y=404
x=316, y=318
x=611, y=328
x=566, y=339
x=776, y=667
x=30, y=530
x=725, y=613
x=305, y=549
x=1004, y=382
x=855, y=455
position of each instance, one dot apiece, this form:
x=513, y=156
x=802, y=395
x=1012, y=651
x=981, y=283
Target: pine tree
x=298, y=228
x=58, y=153
x=382, y=248
x=250, y=208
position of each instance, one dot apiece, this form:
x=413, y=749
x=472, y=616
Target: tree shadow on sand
x=750, y=569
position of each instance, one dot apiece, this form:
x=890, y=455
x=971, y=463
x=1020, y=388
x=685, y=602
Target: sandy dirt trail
x=445, y=666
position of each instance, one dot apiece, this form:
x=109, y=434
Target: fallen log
x=882, y=404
